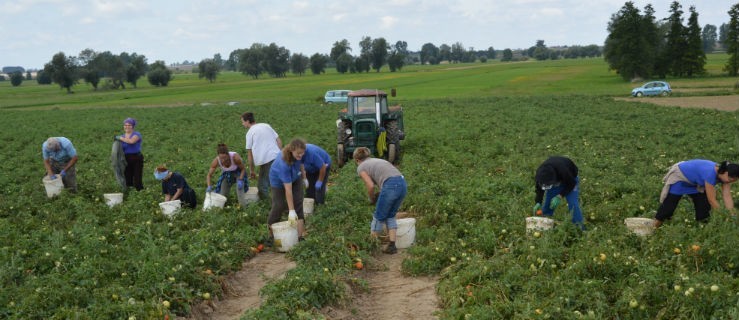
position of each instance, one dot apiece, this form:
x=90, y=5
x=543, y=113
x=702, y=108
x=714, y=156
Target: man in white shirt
x=263, y=145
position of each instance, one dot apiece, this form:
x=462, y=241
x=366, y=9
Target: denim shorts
x=391, y=196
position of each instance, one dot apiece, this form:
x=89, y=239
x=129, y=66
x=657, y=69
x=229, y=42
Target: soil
x=723, y=103
x=390, y=293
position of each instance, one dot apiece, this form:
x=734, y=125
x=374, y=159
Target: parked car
x=652, y=88
x=336, y=96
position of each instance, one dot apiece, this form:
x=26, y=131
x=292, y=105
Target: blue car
x=653, y=88
x=336, y=96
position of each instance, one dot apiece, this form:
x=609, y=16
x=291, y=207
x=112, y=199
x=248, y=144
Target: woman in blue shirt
x=131, y=142
x=317, y=163
x=287, y=180
x=697, y=178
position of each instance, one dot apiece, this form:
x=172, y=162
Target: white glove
x=305, y=182
x=292, y=217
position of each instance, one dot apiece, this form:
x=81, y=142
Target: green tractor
x=368, y=121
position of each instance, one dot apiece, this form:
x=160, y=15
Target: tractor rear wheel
x=392, y=153
x=340, y=155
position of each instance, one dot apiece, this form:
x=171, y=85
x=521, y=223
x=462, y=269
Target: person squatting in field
x=233, y=172
x=60, y=157
x=262, y=146
x=175, y=187
x=287, y=179
x=131, y=142
x=393, y=189
x=317, y=163
x=696, y=178
x=557, y=177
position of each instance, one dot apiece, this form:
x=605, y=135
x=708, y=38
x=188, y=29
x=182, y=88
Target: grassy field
x=475, y=134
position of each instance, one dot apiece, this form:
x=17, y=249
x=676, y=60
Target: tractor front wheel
x=392, y=153
x=340, y=155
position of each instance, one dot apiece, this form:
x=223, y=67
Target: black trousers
x=700, y=202
x=134, y=170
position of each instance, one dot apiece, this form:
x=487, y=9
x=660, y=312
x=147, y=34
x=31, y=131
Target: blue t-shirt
x=176, y=181
x=132, y=148
x=698, y=172
x=65, y=153
x=314, y=158
x=281, y=173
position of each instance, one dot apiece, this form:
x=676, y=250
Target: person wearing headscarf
x=131, y=143
x=60, y=157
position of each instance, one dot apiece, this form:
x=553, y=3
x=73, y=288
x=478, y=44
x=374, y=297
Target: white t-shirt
x=261, y=139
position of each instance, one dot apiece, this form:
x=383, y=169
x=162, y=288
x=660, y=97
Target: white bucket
x=213, y=200
x=112, y=199
x=251, y=195
x=286, y=235
x=170, y=208
x=640, y=226
x=308, y=204
x=53, y=187
x=406, y=233
x=538, y=223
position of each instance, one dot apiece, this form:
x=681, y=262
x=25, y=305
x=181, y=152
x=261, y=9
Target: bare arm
x=213, y=166
x=726, y=193
x=369, y=185
x=240, y=163
x=47, y=165
x=133, y=139
x=252, y=173
x=711, y=194
x=177, y=194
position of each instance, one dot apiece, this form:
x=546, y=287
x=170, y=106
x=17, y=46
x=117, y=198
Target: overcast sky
x=32, y=31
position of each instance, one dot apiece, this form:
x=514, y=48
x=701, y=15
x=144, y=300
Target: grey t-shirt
x=379, y=170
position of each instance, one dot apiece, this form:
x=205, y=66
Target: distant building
x=9, y=70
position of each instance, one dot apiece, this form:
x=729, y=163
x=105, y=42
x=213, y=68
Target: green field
x=475, y=135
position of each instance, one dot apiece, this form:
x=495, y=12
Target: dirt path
x=391, y=295
x=724, y=103
x=242, y=288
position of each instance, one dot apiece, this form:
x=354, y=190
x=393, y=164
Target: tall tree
x=541, y=52
x=43, y=77
x=722, y=31
x=208, y=69
x=457, y=52
x=732, y=41
x=445, y=53
x=232, y=63
x=250, y=60
x=89, y=70
x=276, y=60
x=318, y=63
x=709, y=36
x=398, y=54
x=339, y=48
x=654, y=37
x=507, y=55
x=16, y=78
x=364, y=61
x=136, y=68
x=429, y=53
x=626, y=44
x=299, y=63
x=344, y=63
x=490, y=53
x=379, y=54
x=677, y=43
x=694, y=59
x=63, y=71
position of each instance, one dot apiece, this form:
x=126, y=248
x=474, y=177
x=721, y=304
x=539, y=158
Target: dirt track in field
x=723, y=103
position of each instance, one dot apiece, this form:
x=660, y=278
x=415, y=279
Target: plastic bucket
x=213, y=200
x=308, y=204
x=251, y=195
x=286, y=235
x=112, y=199
x=406, y=233
x=640, y=226
x=538, y=223
x=53, y=187
x=170, y=208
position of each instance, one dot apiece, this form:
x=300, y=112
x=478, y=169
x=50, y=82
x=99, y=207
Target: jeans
x=391, y=196
x=573, y=201
x=263, y=182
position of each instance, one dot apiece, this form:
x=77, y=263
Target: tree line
x=639, y=46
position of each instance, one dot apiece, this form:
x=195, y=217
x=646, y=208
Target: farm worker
x=131, y=143
x=381, y=173
x=263, y=146
x=233, y=171
x=60, y=157
x=557, y=178
x=696, y=178
x=175, y=187
x=317, y=163
x=287, y=179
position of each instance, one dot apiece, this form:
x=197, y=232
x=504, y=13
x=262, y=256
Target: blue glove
x=555, y=202
x=63, y=173
x=52, y=177
x=319, y=184
x=240, y=184
x=209, y=189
